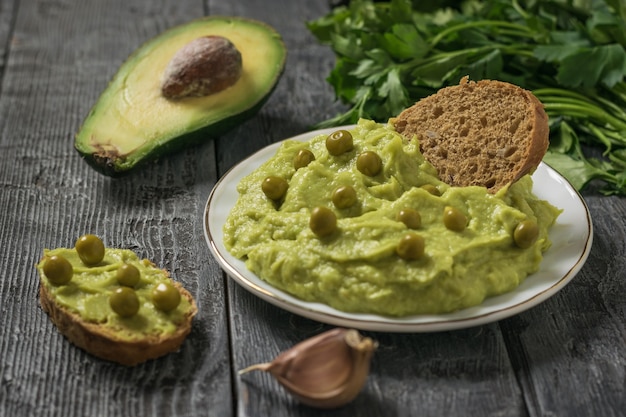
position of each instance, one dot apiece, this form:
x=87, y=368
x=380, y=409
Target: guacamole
x=87, y=293
x=357, y=267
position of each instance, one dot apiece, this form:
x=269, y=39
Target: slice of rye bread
x=486, y=133
x=105, y=343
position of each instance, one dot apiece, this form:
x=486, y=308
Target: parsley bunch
x=569, y=53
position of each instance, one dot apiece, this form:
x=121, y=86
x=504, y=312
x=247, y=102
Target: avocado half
x=132, y=123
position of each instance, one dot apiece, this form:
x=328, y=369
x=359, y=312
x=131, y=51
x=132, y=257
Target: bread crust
x=487, y=133
x=103, y=343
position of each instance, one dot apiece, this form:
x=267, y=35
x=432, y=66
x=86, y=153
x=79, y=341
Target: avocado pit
x=202, y=67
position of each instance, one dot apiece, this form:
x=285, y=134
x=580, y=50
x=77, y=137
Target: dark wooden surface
x=565, y=357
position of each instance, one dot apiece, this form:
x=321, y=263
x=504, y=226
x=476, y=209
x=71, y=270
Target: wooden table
x=564, y=357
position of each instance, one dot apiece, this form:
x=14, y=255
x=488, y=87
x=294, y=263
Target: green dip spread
x=87, y=293
x=357, y=268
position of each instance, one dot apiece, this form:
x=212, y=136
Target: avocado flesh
x=132, y=122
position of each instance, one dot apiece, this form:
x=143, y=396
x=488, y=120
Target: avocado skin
x=108, y=167
x=114, y=166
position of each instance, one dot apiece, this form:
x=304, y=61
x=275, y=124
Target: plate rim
x=373, y=322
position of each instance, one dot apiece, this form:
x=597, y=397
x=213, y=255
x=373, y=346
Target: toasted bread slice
x=126, y=346
x=486, y=133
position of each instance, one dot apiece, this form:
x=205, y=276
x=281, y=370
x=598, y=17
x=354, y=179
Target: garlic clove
x=326, y=371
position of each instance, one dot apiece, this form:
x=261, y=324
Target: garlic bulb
x=325, y=371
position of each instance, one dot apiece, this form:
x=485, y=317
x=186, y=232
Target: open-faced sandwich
x=113, y=304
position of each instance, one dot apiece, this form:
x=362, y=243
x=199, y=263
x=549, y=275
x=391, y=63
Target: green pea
x=124, y=302
x=323, y=221
x=431, y=189
x=339, y=142
x=274, y=187
x=410, y=247
x=454, y=219
x=344, y=196
x=526, y=234
x=128, y=275
x=411, y=218
x=303, y=158
x=90, y=249
x=165, y=297
x=58, y=270
x=369, y=163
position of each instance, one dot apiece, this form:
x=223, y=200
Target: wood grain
x=570, y=352
x=565, y=357
x=61, y=58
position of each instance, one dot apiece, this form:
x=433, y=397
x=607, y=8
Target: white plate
x=571, y=241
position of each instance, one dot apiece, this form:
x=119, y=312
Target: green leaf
x=555, y=53
x=561, y=45
x=380, y=56
x=588, y=67
x=366, y=68
x=568, y=37
x=321, y=28
x=439, y=69
x=563, y=138
x=489, y=66
x=394, y=91
x=605, y=26
x=347, y=46
x=344, y=84
x=404, y=42
x=578, y=172
x=400, y=10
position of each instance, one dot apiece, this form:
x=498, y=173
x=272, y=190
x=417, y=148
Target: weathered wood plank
x=570, y=352
x=566, y=356
x=459, y=373
x=7, y=14
x=61, y=58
